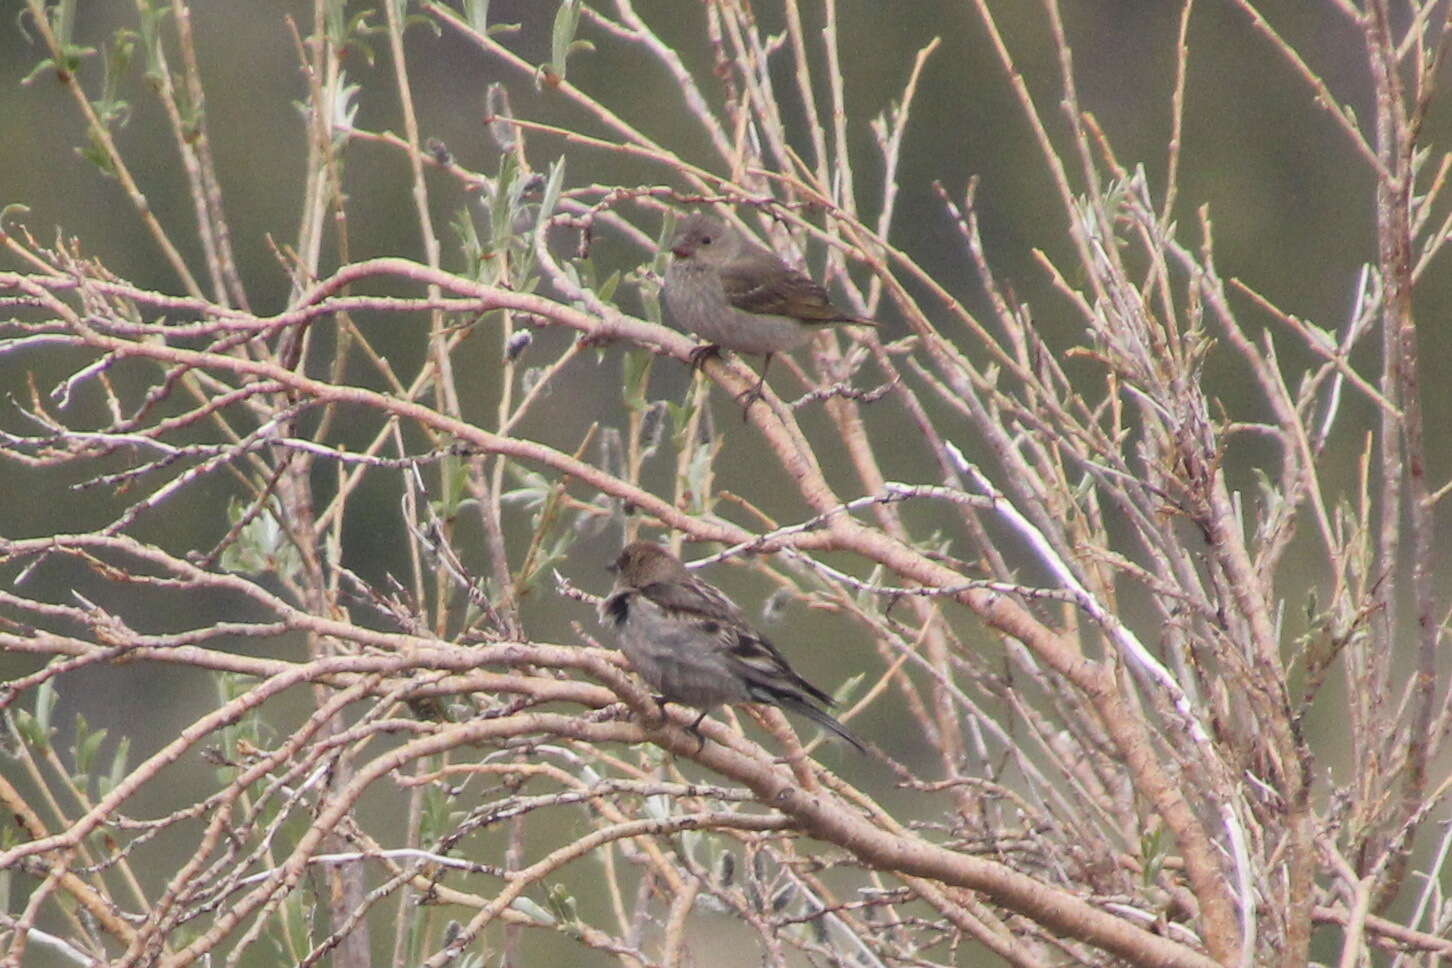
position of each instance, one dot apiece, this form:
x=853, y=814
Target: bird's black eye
x=705, y=240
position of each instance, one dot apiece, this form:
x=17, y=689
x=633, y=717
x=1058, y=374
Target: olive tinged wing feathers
x=761, y=283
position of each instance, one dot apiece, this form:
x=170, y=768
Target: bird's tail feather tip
x=827, y=721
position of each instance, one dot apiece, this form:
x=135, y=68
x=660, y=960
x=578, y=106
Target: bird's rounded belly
x=750, y=333
x=698, y=309
x=681, y=667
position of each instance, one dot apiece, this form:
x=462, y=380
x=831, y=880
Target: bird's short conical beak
x=681, y=251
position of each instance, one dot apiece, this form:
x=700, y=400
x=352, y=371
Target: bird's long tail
x=803, y=708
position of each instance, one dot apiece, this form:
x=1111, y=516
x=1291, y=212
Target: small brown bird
x=739, y=296
x=693, y=646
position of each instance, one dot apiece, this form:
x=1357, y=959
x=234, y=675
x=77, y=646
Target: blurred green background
x=1289, y=197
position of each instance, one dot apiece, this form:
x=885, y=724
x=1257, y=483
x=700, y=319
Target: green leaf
x=70, y=59
x=533, y=489
x=1152, y=849
x=110, y=107
x=562, y=902
x=87, y=746
x=542, y=556
x=606, y=289
x=422, y=21
x=96, y=154
x=681, y=416
x=151, y=18
x=63, y=21
x=698, y=478
x=45, y=698
x=476, y=13
x=501, y=213
x=866, y=600
x=15, y=210
x=437, y=816
x=25, y=725
x=262, y=547
x=562, y=36
x=293, y=922
x=551, y=194
x=454, y=474
x=636, y=365
x=468, y=234
x=118, y=765
x=847, y=689
x=525, y=906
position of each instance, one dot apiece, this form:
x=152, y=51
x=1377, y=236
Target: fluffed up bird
x=693, y=646
x=739, y=296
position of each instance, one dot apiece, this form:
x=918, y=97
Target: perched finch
x=693, y=646
x=739, y=296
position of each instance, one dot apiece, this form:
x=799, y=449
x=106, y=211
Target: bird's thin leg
x=700, y=354
x=748, y=397
x=695, y=729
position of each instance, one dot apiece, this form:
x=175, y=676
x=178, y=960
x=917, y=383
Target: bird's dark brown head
x=643, y=563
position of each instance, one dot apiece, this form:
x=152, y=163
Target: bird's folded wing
x=688, y=600
x=763, y=667
x=761, y=283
